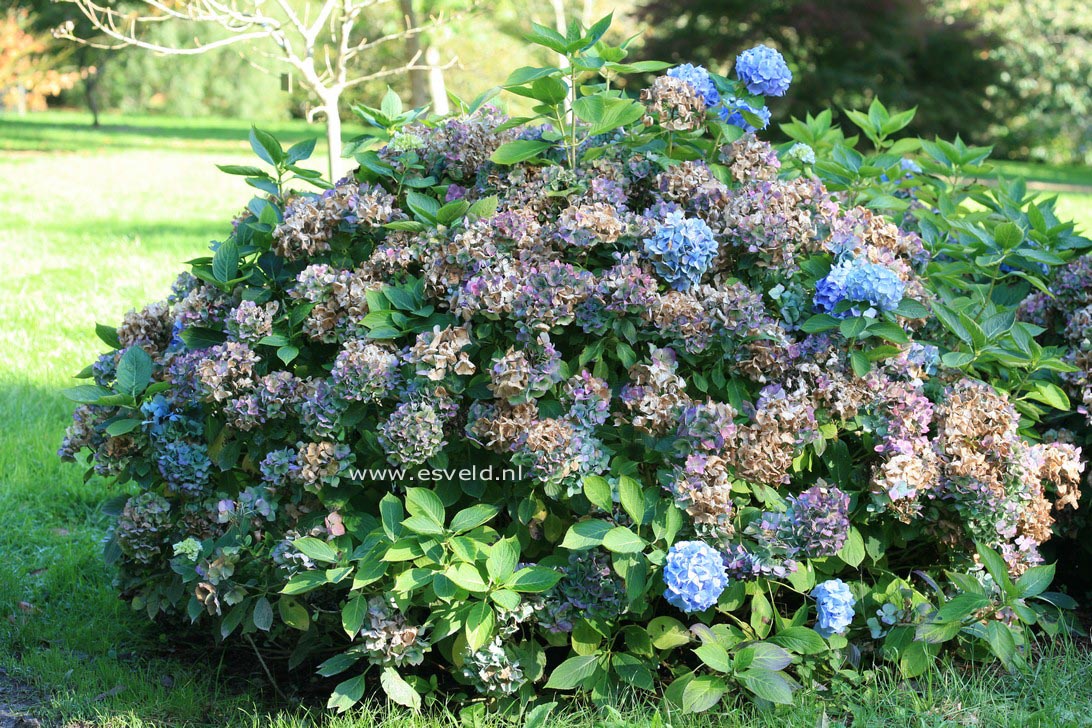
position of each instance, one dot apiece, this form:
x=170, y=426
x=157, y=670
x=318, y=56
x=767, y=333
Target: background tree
x=320, y=44
x=29, y=72
x=46, y=15
x=1044, y=100
x=843, y=54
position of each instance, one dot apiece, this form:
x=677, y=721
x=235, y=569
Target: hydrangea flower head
x=695, y=576
x=699, y=78
x=682, y=248
x=732, y=113
x=876, y=285
x=763, y=71
x=802, y=153
x=835, y=603
x=872, y=287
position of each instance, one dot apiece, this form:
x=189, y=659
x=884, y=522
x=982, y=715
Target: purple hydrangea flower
x=818, y=521
x=695, y=576
x=763, y=71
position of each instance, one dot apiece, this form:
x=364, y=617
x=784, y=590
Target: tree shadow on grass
x=105, y=230
x=59, y=135
x=64, y=630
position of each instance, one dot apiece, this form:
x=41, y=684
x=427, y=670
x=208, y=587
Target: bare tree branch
x=321, y=48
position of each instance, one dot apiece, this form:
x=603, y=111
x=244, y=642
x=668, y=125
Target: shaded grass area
x=1076, y=175
x=71, y=131
x=102, y=226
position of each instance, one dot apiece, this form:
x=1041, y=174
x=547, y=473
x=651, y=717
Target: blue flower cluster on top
x=761, y=69
x=871, y=287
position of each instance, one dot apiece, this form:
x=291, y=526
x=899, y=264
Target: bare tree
x=321, y=48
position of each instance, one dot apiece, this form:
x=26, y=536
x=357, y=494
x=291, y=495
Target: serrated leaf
x=909, y=308
x=667, y=632
x=480, y=622
x=537, y=716
x=714, y=656
x=1035, y=581
x=632, y=670
x=621, y=540
x=801, y=640
x=122, y=427
x=263, y=614
x=819, y=323
x=316, y=549
x=632, y=497
x=502, y=559
x=304, y=582
x=300, y=151
x=391, y=513
x=266, y=146
x=294, y=614
x=109, y=335
x=598, y=491
x=519, y=151
x=197, y=337
x=572, y=672
x=853, y=550
x=423, y=502
x=241, y=170
x=486, y=207
x=587, y=534
x=347, y=694
x=337, y=665
x=134, y=371
x=353, y=615
x=702, y=693
x=767, y=684
x=423, y=525
x=467, y=577
x=853, y=327
x=86, y=393
x=533, y=579
x=472, y=517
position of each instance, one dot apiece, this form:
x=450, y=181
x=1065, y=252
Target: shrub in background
x=614, y=396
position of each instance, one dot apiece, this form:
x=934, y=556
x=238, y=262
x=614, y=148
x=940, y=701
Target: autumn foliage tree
x=29, y=73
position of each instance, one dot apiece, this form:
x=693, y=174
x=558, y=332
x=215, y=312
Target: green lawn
x=98, y=224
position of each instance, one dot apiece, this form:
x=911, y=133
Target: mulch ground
x=18, y=702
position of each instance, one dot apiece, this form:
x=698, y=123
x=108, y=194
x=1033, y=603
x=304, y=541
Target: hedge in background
x=615, y=396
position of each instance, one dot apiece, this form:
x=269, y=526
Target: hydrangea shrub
x=613, y=396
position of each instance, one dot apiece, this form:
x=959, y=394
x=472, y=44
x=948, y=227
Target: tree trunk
x=20, y=100
x=333, y=136
x=419, y=78
x=90, y=90
x=436, y=86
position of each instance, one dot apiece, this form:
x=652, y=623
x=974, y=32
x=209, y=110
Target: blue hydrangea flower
x=763, y=71
x=732, y=113
x=185, y=466
x=801, y=152
x=682, y=248
x=835, y=603
x=699, y=78
x=873, y=288
x=909, y=166
x=695, y=576
x=876, y=285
